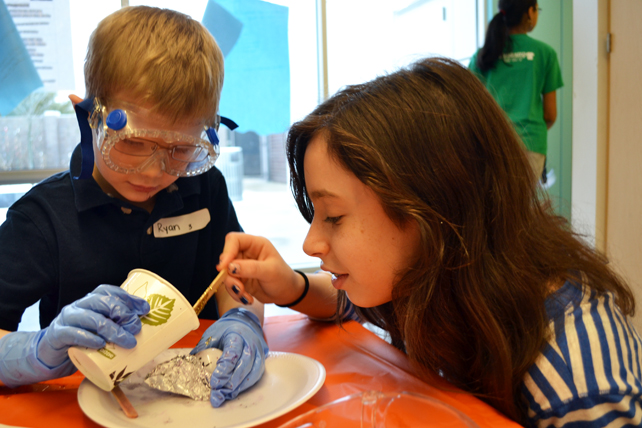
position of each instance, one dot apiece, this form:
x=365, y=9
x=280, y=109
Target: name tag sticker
x=175, y=226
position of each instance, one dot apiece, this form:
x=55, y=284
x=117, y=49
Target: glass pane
x=367, y=38
x=270, y=82
x=253, y=159
x=38, y=130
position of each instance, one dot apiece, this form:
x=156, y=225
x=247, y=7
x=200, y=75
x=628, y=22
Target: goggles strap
x=83, y=109
x=229, y=123
x=212, y=134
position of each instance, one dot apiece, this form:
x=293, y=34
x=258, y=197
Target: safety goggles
x=130, y=141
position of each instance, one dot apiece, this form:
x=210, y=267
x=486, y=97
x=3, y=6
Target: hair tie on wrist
x=305, y=291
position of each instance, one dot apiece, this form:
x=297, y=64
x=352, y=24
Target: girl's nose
x=315, y=243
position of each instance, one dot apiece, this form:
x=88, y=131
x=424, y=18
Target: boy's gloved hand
x=239, y=335
x=108, y=313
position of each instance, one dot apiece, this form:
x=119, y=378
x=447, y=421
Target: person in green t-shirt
x=522, y=74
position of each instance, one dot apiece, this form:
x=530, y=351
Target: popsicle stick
x=124, y=402
x=209, y=292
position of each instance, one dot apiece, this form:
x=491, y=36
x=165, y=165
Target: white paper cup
x=171, y=317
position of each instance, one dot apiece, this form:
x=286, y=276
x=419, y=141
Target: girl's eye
x=333, y=220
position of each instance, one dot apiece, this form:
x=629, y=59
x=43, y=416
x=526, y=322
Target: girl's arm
x=256, y=270
x=550, y=108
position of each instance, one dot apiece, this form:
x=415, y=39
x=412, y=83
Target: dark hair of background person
x=436, y=149
x=511, y=13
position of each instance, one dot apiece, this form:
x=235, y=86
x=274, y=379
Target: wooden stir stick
x=118, y=393
x=124, y=402
x=209, y=292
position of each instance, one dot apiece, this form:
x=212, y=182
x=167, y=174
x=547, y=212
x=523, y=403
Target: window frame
x=482, y=11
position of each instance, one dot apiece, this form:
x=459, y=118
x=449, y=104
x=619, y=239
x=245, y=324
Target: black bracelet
x=305, y=291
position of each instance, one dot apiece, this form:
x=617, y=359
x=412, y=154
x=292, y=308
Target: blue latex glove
x=108, y=313
x=239, y=335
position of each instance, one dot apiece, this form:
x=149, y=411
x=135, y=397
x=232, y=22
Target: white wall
x=590, y=83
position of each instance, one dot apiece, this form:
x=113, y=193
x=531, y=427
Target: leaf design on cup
x=120, y=376
x=161, y=310
x=140, y=291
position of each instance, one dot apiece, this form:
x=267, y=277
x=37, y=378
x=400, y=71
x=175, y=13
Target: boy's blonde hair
x=162, y=58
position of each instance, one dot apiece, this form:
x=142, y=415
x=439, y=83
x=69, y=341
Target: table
x=355, y=359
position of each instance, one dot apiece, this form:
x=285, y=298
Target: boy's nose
x=156, y=165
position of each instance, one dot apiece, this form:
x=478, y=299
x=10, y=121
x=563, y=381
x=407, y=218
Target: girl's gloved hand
x=239, y=335
x=107, y=314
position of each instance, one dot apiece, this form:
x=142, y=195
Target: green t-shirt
x=518, y=81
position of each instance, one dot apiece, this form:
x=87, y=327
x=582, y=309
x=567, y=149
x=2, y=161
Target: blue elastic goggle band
x=85, y=108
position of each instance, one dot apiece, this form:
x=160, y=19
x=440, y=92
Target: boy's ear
x=75, y=99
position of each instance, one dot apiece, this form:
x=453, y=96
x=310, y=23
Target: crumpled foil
x=187, y=375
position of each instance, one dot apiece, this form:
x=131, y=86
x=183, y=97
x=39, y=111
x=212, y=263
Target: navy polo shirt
x=65, y=237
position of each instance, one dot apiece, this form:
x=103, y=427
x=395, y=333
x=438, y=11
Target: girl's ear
x=75, y=99
x=532, y=17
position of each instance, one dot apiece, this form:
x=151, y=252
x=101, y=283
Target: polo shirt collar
x=88, y=194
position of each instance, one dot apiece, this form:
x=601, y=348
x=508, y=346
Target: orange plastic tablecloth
x=355, y=360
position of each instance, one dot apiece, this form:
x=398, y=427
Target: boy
x=141, y=193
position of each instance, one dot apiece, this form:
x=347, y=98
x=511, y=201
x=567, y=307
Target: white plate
x=289, y=381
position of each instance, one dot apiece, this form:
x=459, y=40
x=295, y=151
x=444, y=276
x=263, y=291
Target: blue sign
x=18, y=76
x=253, y=36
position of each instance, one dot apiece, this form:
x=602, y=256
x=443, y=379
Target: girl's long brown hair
x=437, y=150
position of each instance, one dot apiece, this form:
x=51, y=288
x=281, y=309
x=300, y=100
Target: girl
x=423, y=209
x=522, y=74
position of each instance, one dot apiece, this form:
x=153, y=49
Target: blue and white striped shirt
x=589, y=374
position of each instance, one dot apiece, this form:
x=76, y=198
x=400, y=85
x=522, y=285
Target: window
x=363, y=38
x=367, y=38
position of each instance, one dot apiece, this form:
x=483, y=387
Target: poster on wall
x=45, y=29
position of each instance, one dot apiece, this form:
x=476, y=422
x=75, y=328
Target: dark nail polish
x=244, y=301
x=233, y=267
x=235, y=289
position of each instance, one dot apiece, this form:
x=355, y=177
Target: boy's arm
x=550, y=108
x=107, y=314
